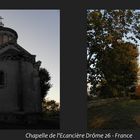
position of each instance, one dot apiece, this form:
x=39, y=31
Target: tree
x=44, y=82
x=107, y=31
x=51, y=106
x=121, y=68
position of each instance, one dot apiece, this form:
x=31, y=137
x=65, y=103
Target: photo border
x=73, y=91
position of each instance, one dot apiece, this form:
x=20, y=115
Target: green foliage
x=51, y=110
x=44, y=81
x=137, y=93
x=109, y=57
x=50, y=106
x=120, y=67
x=105, y=91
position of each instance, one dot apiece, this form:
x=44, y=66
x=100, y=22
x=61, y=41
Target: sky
x=39, y=33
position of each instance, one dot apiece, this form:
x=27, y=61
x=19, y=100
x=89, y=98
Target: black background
x=72, y=58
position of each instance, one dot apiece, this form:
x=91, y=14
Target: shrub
x=137, y=92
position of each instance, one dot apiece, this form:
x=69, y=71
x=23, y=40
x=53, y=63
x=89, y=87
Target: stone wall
x=9, y=92
x=31, y=88
x=21, y=87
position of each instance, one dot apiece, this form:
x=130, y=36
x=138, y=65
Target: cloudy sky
x=39, y=33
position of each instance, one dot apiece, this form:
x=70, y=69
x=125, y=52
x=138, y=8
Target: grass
x=123, y=114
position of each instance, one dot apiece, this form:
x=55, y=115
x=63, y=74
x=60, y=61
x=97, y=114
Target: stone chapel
x=20, y=95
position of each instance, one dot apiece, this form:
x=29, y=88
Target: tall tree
x=44, y=82
x=120, y=67
x=106, y=30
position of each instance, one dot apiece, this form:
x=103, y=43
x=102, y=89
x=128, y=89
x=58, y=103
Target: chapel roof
x=8, y=42
x=9, y=30
x=21, y=49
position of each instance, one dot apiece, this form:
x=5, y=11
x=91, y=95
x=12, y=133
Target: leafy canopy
x=112, y=37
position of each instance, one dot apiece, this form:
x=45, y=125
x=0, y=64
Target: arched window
x=1, y=78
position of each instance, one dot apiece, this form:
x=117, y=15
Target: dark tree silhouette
x=44, y=82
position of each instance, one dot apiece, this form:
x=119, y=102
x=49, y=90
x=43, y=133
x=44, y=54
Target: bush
x=105, y=92
x=137, y=90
